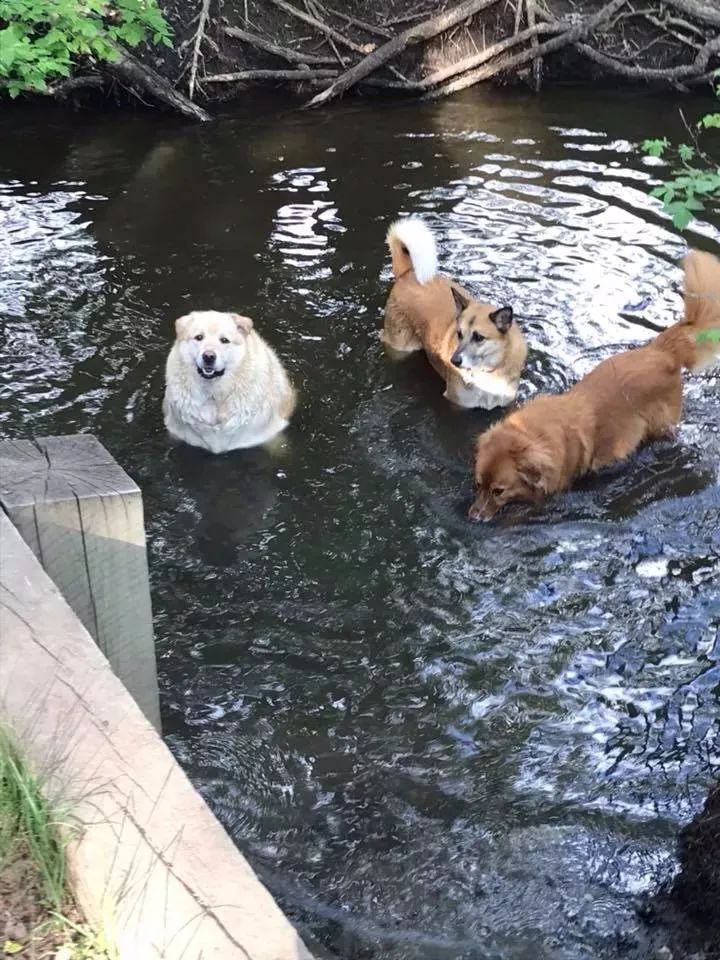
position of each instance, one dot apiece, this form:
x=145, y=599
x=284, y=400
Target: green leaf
x=710, y=121
x=686, y=152
x=12, y=946
x=681, y=218
x=655, y=148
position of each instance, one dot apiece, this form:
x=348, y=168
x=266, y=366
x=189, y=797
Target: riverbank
x=397, y=48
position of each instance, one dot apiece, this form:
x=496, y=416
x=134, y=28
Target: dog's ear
x=532, y=469
x=181, y=327
x=531, y=475
x=502, y=318
x=244, y=324
x=461, y=301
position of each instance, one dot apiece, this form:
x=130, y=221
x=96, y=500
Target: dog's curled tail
x=412, y=247
x=695, y=340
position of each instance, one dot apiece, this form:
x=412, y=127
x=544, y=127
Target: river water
x=433, y=740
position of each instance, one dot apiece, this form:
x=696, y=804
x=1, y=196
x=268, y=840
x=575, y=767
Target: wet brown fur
x=427, y=317
x=627, y=400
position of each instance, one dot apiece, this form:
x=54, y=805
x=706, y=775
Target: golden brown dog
x=477, y=349
x=628, y=399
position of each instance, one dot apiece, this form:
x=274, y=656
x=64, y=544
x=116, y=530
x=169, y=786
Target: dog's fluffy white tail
x=412, y=246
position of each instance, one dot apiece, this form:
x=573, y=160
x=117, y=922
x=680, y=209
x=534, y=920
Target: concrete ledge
x=149, y=862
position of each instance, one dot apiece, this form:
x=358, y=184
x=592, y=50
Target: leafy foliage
x=42, y=40
x=697, y=178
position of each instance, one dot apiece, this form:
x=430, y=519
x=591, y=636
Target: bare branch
x=415, y=34
x=319, y=25
x=296, y=76
x=285, y=53
x=707, y=12
x=196, y=46
x=669, y=74
x=580, y=29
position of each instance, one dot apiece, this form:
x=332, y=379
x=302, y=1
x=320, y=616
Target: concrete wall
x=148, y=859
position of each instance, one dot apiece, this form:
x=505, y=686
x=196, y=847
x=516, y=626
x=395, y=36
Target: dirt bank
x=402, y=47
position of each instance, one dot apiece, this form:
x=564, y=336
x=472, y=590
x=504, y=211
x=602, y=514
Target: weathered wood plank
x=147, y=860
x=82, y=516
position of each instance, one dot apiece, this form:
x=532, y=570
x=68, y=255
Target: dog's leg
x=398, y=333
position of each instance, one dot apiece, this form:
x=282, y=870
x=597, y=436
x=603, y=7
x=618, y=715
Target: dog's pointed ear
x=502, y=318
x=461, y=301
x=244, y=324
x=181, y=326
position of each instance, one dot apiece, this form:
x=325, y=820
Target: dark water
x=433, y=740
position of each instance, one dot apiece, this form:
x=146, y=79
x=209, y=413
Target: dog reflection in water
x=234, y=495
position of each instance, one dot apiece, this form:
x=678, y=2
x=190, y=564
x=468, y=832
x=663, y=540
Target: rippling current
x=433, y=740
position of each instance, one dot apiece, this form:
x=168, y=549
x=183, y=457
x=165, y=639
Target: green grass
x=31, y=829
x=27, y=819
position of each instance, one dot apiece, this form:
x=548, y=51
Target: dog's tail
x=694, y=342
x=412, y=247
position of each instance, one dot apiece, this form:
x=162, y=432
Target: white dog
x=225, y=388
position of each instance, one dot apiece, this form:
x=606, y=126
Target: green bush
x=42, y=40
x=696, y=178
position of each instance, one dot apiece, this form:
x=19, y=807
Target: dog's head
x=509, y=468
x=481, y=332
x=213, y=342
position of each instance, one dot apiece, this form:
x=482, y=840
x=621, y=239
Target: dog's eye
x=224, y=340
x=477, y=337
x=199, y=336
x=497, y=491
x=459, y=334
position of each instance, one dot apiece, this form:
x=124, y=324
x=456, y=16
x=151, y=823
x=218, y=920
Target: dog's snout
x=208, y=357
x=456, y=360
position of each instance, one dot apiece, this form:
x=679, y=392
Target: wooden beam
x=82, y=516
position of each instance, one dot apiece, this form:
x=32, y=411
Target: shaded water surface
x=433, y=740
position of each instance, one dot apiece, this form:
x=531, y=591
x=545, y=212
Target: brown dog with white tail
x=476, y=348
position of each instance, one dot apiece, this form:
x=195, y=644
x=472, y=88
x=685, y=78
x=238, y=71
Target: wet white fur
x=245, y=407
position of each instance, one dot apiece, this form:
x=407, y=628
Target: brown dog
x=476, y=348
x=626, y=400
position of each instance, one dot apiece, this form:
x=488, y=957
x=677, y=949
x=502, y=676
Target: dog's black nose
x=208, y=358
x=456, y=361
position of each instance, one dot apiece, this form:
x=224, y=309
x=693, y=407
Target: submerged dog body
x=225, y=386
x=477, y=349
x=626, y=400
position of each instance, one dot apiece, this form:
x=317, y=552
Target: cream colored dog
x=225, y=387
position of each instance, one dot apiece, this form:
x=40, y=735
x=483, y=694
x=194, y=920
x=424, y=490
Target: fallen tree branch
x=669, y=74
x=128, y=70
x=65, y=87
x=360, y=24
x=204, y=10
x=298, y=76
x=319, y=25
x=707, y=12
x=572, y=35
x=482, y=56
x=285, y=53
x=666, y=25
x=408, y=17
x=415, y=34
